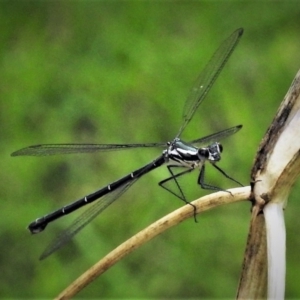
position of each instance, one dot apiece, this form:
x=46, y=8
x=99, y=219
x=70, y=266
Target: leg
x=173, y=177
x=227, y=176
x=204, y=185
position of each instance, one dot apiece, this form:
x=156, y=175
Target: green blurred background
x=119, y=72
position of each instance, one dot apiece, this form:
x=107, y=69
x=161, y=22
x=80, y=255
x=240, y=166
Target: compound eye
x=221, y=148
x=203, y=152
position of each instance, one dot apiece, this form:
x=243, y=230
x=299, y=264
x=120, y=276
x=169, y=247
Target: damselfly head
x=212, y=152
x=220, y=147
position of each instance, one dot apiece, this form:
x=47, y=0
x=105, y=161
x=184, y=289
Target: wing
x=215, y=137
x=208, y=76
x=86, y=217
x=53, y=149
x=99, y=206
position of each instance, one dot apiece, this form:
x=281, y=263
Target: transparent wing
x=197, y=95
x=208, y=76
x=53, y=149
x=86, y=217
x=215, y=137
x=95, y=209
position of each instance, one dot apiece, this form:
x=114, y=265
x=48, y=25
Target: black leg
x=174, y=177
x=204, y=185
x=227, y=176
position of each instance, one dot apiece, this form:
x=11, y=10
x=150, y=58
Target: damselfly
x=177, y=153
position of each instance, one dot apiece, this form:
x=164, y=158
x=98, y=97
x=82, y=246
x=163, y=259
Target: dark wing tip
x=16, y=153
x=240, y=31
x=31, y=150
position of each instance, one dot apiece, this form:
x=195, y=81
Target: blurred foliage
x=119, y=72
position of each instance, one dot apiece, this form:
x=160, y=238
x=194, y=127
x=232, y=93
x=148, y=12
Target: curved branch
x=167, y=222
